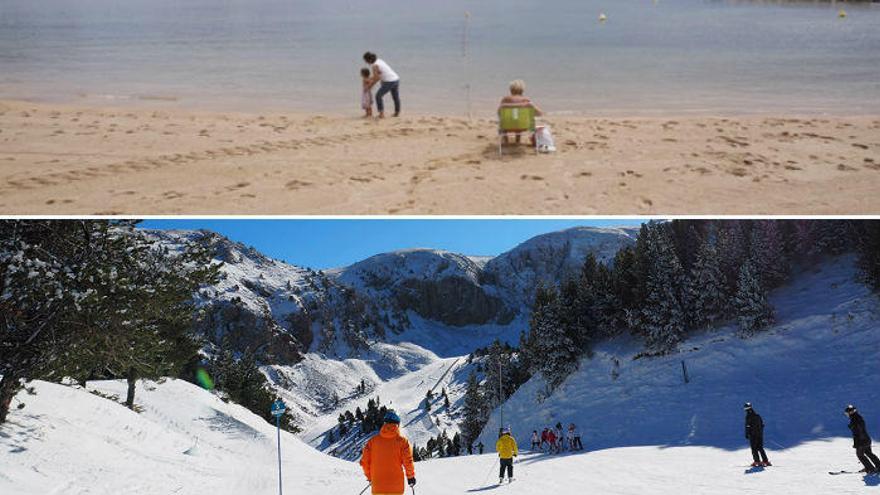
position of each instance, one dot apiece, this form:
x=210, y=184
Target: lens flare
x=204, y=379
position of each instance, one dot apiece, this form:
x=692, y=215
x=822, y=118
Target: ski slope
x=188, y=442
x=406, y=395
x=822, y=354
x=185, y=441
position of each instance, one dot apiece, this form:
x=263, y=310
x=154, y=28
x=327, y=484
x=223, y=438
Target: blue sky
x=323, y=243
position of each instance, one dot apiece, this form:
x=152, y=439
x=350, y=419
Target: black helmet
x=747, y=406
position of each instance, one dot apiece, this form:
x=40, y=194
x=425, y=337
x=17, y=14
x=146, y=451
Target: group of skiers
x=554, y=440
x=387, y=459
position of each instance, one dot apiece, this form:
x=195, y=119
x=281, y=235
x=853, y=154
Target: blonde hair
x=517, y=87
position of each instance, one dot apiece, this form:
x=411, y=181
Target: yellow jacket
x=506, y=446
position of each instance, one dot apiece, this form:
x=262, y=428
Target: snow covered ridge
x=265, y=303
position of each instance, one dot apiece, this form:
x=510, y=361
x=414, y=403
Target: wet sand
x=58, y=159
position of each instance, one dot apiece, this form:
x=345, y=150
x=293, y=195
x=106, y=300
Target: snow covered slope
x=406, y=395
x=188, y=442
x=823, y=353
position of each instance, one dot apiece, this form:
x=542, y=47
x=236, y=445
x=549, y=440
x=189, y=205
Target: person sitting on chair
x=517, y=99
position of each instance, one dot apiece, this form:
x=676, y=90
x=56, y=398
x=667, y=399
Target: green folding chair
x=515, y=120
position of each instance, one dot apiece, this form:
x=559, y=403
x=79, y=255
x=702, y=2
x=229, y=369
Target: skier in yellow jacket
x=507, y=450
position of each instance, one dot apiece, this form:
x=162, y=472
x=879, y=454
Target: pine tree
x=94, y=296
x=767, y=253
x=804, y=246
x=752, y=308
x=869, y=252
x=556, y=351
x=456, y=444
x=706, y=297
x=662, y=319
x=496, y=375
x=474, y=410
x=733, y=249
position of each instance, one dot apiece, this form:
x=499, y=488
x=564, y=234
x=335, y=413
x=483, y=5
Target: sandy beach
x=60, y=159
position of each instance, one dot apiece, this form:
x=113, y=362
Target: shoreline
x=79, y=159
x=484, y=108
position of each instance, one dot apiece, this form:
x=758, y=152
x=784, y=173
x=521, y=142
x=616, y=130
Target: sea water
x=649, y=57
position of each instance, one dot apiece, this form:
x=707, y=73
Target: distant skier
x=862, y=441
x=569, y=437
x=480, y=446
x=386, y=457
x=470, y=449
x=536, y=440
x=560, y=438
x=755, y=435
x=545, y=438
x=551, y=439
x=575, y=435
x=507, y=450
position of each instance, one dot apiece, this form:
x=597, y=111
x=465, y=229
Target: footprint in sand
x=532, y=177
x=237, y=186
x=296, y=184
x=846, y=168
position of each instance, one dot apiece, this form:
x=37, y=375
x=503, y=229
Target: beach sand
x=59, y=159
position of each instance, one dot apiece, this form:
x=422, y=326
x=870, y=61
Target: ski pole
x=783, y=447
x=491, y=467
x=365, y=489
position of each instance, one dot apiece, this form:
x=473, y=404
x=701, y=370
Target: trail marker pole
x=684, y=372
x=500, y=396
x=278, y=411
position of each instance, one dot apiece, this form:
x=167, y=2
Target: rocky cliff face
x=437, y=285
x=284, y=312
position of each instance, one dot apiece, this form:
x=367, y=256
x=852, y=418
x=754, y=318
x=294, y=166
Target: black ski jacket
x=754, y=425
x=859, y=431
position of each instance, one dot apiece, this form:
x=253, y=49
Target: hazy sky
x=325, y=243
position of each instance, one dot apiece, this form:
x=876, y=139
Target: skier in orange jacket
x=386, y=457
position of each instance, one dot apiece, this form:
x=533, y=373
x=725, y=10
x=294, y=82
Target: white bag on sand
x=544, y=140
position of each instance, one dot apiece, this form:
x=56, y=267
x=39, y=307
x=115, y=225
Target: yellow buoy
x=603, y=18
x=841, y=13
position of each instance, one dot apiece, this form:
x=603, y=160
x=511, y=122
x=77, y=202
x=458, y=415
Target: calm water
x=672, y=56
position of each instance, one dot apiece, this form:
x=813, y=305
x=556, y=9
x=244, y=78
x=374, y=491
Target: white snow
x=188, y=442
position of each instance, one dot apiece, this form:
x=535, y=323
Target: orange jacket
x=386, y=457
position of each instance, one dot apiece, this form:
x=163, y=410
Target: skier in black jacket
x=755, y=435
x=862, y=441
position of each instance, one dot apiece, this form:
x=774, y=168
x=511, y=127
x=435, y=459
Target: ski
x=835, y=473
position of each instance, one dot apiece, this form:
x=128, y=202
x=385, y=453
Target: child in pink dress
x=367, y=94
